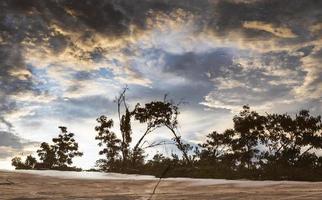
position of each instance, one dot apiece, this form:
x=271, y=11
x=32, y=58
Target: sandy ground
x=26, y=186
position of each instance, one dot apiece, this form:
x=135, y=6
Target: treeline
x=56, y=156
x=269, y=146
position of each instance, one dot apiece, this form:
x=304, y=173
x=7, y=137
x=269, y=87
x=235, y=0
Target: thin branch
x=154, y=144
x=179, y=143
x=306, y=151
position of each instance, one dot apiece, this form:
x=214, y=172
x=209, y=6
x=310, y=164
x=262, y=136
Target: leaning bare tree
x=155, y=114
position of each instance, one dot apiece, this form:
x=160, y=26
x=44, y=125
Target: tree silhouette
x=157, y=114
x=125, y=124
x=17, y=163
x=249, y=132
x=108, y=139
x=30, y=162
x=154, y=114
x=290, y=140
x=47, y=154
x=61, y=153
x=66, y=147
x=112, y=144
x=273, y=146
x=217, y=145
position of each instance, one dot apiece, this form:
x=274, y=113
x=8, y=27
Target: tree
x=30, y=162
x=61, y=153
x=47, y=154
x=271, y=146
x=157, y=114
x=17, y=163
x=290, y=140
x=108, y=139
x=66, y=147
x=249, y=127
x=125, y=125
x=153, y=114
x=217, y=145
x=308, y=131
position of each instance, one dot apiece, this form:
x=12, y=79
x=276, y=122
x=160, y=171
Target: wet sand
x=23, y=186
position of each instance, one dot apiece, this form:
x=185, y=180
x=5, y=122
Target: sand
x=27, y=185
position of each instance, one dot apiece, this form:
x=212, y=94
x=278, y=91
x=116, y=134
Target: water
x=117, y=176
x=87, y=175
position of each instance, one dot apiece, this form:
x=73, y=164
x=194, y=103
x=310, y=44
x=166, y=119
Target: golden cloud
x=282, y=32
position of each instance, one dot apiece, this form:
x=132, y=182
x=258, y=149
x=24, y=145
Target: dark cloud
x=74, y=109
x=8, y=125
x=85, y=107
x=201, y=67
x=11, y=144
x=10, y=140
x=104, y=16
x=85, y=75
x=15, y=76
x=115, y=17
x=263, y=79
x=296, y=15
x=11, y=61
x=26, y=23
x=189, y=94
x=29, y=25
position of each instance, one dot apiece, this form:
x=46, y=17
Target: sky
x=62, y=63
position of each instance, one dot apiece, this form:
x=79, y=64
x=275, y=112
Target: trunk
x=138, y=144
x=140, y=140
x=121, y=99
x=181, y=148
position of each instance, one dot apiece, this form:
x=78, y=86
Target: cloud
x=66, y=60
x=88, y=107
x=200, y=67
x=230, y=78
x=67, y=37
x=11, y=145
x=278, y=31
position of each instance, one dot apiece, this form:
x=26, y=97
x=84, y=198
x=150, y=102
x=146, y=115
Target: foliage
x=154, y=114
x=58, y=156
x=161, y=113
x=17, y=163
x=66, y=147
x=112, y=144
x=271, y=146
x=30, y=162
x=47, y=154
